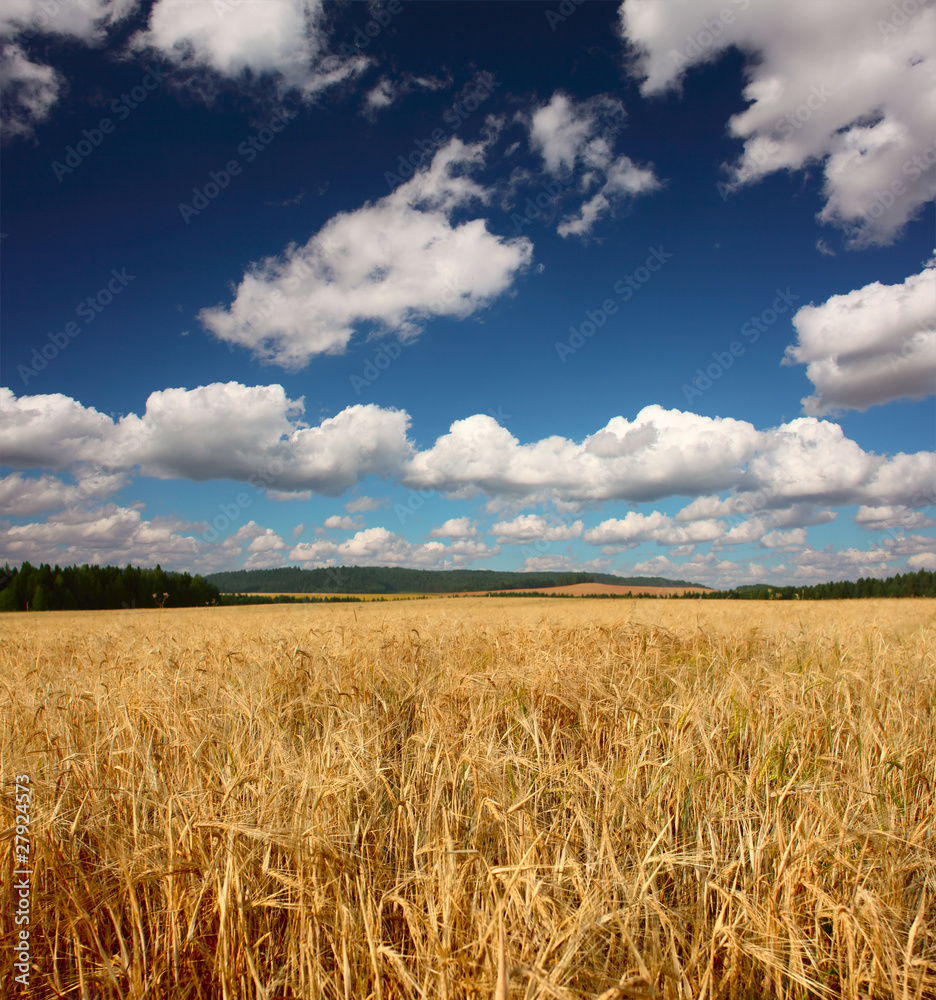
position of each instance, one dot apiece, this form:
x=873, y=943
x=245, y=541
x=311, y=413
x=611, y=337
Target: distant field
x=575, y=589
x=478, y=799
x=363, y=597
x=586, y=589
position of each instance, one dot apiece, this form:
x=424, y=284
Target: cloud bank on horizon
x=654, y=295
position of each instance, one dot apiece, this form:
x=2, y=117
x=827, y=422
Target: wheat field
x=483, y=798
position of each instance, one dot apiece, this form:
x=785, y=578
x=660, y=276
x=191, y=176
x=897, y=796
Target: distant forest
x=395, y=580
x=920, y=584
x=97, y=588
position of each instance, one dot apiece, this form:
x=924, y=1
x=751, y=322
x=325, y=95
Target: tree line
x=919, y=584
x=98, y=588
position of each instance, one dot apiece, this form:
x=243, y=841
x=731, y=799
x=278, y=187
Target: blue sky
x=644, y=288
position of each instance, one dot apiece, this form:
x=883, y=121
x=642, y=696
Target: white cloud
x=923, y=560
x=391, y=264
x=380, y=547
x=282, y=39
x=892, y=517
x=265, y=548
x=840, y=564
x=633, y=528
x=839, y=84
x=870, y=346
x=52, y=431
x=256, y=435
x=227, y=430
x=20, y=496
x=85, y=20
x=579, y=137
x=784, y=539
x=285, y=496
x=660, y=453
x=341, y=522
x=105, y=535
x=381, y=95
x=455, y=527
x=29, y=89
x=260, y=539
x=361, y=504
x=908, y=545
x=219, y=431
x=707, y=570
x=386, y=91
x=565, y=564
x=534, y=528
x=801, y=567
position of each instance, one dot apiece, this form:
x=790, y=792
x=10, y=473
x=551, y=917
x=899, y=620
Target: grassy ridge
x=410, y=801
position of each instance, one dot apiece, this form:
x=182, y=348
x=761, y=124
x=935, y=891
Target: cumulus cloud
x=787, y=540
x=380, y=547
x=664, y=453
x=360, y=504
x=535, y=528
x=240, y=39
x=219, y=431
x=848, y=86
x=576, y=140
x=28, y=88
x=565, y=564
x=617, y=533
x=255, y=434
x=888, y=518
x=455, y=527
x=109, y=534
x=116, y=535
x=708, y=570
x=626, y=460
x=341, y=522
x=801, y=566
x=22, y=496
x=264, y=548
x=51, y=431
x=869, y=346
x=390, y=265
